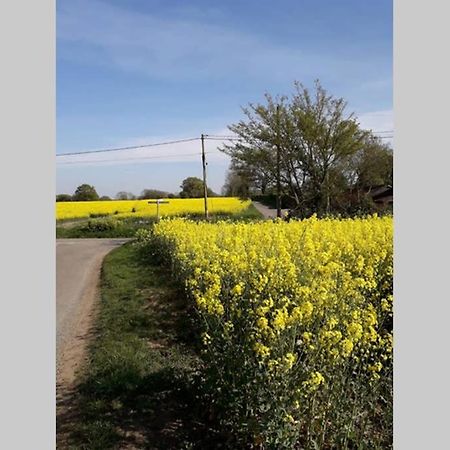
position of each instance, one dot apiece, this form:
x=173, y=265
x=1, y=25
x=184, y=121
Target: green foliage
x=270, y=200
x=85, y=192
x=99, y=225
x=373, y=166
x=63, y=198
x=323, y=151
x=153, y=194
x=122, y=195
x=109, y=227
x=193, y=187
x=104, y=226
x=282, y=371
x=236, y=185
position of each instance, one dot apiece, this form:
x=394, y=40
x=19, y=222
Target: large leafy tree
x=236, y=185
x=123, y=195
x=192, y=187
x=85, y=192
x=373, y=166
x=316, y=139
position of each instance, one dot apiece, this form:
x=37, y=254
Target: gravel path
x=268, y=213
x=78, y=264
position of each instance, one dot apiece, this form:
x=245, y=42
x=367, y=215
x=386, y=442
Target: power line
x=64, y=163
x=219, y=135
x=128, y=148
x=213, y=137
x=222, y=138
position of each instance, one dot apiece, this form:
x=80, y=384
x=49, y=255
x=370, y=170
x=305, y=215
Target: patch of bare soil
x=73, y=356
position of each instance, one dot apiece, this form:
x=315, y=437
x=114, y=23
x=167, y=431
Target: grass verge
x=108, y=227
x=139, y=388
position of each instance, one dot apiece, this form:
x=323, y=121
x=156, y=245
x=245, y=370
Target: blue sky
x=143, y=71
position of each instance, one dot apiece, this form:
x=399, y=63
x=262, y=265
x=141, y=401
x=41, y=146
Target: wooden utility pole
x=278, y=163
x=205, y=188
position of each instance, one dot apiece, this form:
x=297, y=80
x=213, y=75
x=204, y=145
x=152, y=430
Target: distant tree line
x=191, y=187
x=327, y=162
x=83, y=193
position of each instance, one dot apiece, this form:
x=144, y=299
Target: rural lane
x=268, y=213
x=78, y=264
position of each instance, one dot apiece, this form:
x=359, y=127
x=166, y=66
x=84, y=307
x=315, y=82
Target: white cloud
x=378, y=121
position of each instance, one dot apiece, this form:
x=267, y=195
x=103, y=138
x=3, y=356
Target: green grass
x=109, y=227
x=140, y=388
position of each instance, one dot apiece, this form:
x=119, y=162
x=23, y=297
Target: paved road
x=268, y=213
x=78, y=264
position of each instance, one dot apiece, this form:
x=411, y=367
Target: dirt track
x=78, y=264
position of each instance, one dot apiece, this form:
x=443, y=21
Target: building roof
x=381, y=192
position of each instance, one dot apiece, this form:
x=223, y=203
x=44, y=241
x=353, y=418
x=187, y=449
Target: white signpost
x=157, y=202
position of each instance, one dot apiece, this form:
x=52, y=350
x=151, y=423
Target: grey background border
x=27, y=318
x=422, y=226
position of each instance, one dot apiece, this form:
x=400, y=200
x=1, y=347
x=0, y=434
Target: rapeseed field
x=141, y=208
x=296, y=325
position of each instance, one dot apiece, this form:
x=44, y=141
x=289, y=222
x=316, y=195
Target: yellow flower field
x=141, y=208
x=302, y=309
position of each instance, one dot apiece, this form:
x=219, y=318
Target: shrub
x=99, y=225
